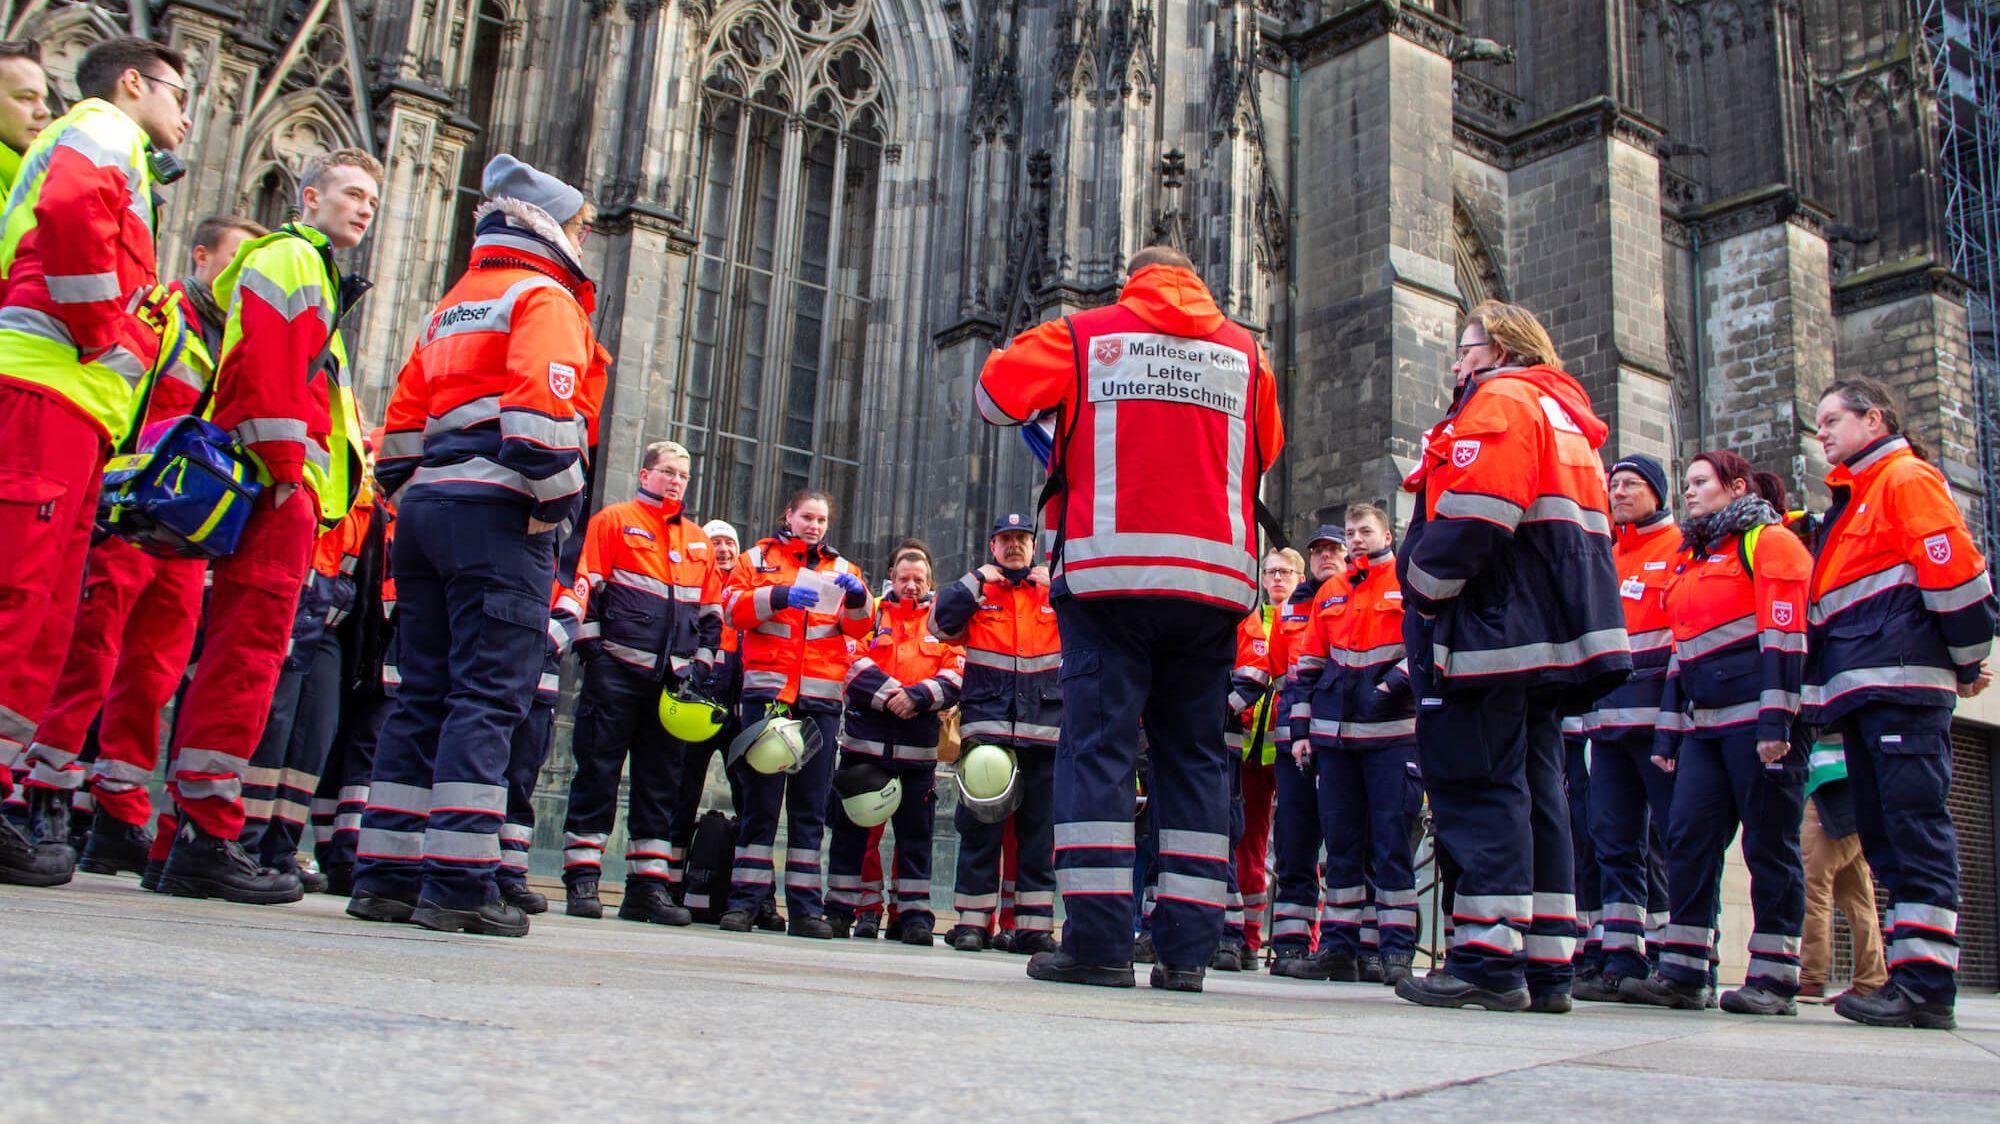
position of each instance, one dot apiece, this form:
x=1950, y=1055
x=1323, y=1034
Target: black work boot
x=918, y=931
x=1442, y=989
x=736, y=921
x=1893, y=1006
x=23, y=862
x=1227, y=958
x=1296, y=962
x=1340, y=967
x=581, y=898
x=1368, y=969
x=368, y=905
x=1142, y=949
x=310, y=879
x=815, y=928
x=1600, y=987
x=1003, y=940
x=867, y=927
x=114, y=845
x=1396, y=969
x=1176, y=977
x=1659, y=991
x=492, y=919
x=965, y=938
x=1758, y=1001
x=208, y=866
x=1061, y=967
x=768, y=918
x=1029, y=942
x=520, y=897
x=842, y=924
x=149, y=879
x=49, y=816
x=647, y=899
x=340, y=879
x=1551, y=1003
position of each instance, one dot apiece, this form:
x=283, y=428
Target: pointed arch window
x=769, y=394
x=277, y=200
x=489, y=28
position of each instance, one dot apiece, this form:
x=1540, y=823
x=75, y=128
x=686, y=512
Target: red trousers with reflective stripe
x=250, y=610
x=51, y=463
x=1253, y=878
x=134, y=631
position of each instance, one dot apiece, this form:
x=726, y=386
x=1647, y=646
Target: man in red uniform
x=136, y=624
x=281, y=390
x=78, y=333
x=1167, y=418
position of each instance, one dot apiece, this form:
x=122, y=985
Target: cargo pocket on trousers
x=516, y=608
x=28, y=505
x=1080, y=692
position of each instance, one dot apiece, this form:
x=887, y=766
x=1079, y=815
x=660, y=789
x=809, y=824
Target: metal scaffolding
x=1962, y=52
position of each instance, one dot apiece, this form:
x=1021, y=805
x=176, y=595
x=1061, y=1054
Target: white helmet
x=778, y=743
x=989, y=782
x=868, y=794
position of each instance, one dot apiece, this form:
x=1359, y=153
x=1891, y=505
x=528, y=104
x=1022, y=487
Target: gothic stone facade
x=818, y=216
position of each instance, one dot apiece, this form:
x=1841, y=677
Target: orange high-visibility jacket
x=1645, y=556
x=791, y=655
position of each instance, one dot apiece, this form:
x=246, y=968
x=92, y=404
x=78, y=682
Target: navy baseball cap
x=1328, y=533
x=1013, y=522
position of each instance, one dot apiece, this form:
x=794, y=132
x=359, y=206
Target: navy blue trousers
x=1369, y=881
x=1899, y=758
x=915, y=824
x=618, y=716
x=1493, y=764
x=1630, y=799
x=1166, y=661
x=525, y=756
x=472, y=607
x=1719, y=784
x=1295, y=841
x=980, y=845
x=803, y=797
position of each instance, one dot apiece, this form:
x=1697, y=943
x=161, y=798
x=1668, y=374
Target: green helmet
x=988, y=782
x=868, y=794
x=778, y=743
x=685, y=714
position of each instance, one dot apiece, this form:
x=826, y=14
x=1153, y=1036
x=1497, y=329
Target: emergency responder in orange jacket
x=1726, y=731
x=1901, y=621
x=1295, y=831
x=136, y=623
x=1166, y=418
x=79, y=330
x=902, y=678
x=1629, y=797
x=1511, y=617
x=1354, y=718
x=652, y=621
x=795, y=658
x=1013, y=695
x=282, y=390
x=484, y=455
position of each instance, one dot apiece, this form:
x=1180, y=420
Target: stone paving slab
x=119, y=1004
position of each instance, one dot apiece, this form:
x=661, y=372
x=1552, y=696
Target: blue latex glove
x=857, y=594
x=799, y=597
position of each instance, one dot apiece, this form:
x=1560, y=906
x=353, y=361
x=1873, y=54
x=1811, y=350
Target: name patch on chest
x=1149, y=367
x=641, y=532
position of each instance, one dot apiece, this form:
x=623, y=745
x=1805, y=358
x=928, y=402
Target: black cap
x=1648, y=470
x=1013, y=522
x=1328, y=533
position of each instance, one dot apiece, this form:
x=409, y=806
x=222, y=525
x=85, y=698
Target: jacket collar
x=657, y=503
x=807, y=553
x=1646, y=528
x=1878, y=454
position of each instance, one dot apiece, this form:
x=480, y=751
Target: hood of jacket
x=1566, y=391
x=1173, y=300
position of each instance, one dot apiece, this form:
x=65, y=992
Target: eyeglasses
x=1464, y=347
x=180, y=92
x=1279, y=571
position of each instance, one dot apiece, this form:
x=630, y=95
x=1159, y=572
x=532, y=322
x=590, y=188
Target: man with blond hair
x=283, y=389
x=652, y=622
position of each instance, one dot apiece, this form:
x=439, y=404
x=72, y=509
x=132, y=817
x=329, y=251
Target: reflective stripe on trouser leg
x=649, y=858
x=1921, y=934
x=1629, y=799
x=847, y=845
x=515, y=841
x=1774, y=962
x=976, y=881
x=915, y=825
x=1034, y=843
x=752, y=876
x=583, y=854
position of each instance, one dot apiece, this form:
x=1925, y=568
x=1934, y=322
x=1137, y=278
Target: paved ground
x=125, y=1005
